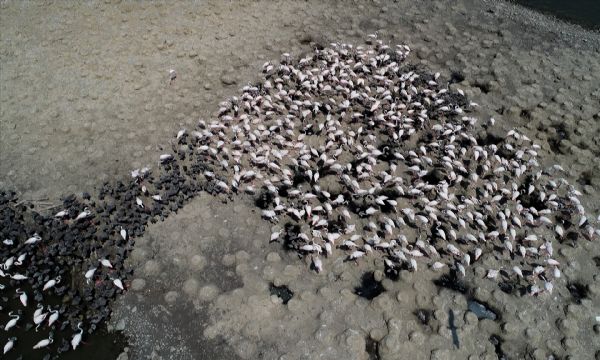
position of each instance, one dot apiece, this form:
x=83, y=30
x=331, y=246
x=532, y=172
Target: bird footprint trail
x=352, y=151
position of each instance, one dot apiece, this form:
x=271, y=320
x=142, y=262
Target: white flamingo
x=43, y=343
x=20, y=259
x=9, y=344
x=89, y=274
x=22, y=296
x=32, y=240
x=82, y=215
x=39, y=319
x=39, y=310
x=118, y=284
x=8, y=263
x=53, y=317
x=77, y=337
x=61, y=213
x=51, y=283
x=12, y=322
x=106, y=263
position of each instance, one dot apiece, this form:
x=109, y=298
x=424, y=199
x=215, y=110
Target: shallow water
x=583, y=12
x=101, y=345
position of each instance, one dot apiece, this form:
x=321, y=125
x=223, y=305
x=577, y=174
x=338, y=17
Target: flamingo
x=82, y=215
x=18, y=277
x=118, y=283
x=12, y=322
x=89, y=274
x=61, y=213
x=22, y=296
x=77, y=337
x=20, y=259
x=8, y=263
x=32, y=240
x=39, y=319
x=43, y=343
x=39, y=310
x=52, y=317
x=106, y=263
x=51, y=283
x=9, y=344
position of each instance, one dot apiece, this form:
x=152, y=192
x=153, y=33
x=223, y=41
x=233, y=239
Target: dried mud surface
x=85, y=97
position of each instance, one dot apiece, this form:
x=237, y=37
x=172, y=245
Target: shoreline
x=552, y=13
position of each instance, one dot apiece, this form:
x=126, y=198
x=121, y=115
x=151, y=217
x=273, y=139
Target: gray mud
x=85, y=97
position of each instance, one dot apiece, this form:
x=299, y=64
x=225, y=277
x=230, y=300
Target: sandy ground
x=85, y=97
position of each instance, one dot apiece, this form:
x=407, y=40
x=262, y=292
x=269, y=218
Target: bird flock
x=360, y=154
x=27, y=270
x=351, y=152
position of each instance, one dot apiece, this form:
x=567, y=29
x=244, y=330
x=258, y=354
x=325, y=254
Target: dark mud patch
x=484, y=86
x=561, y=134
x=507, y=287
x=526, y=114
x=435, y=176
x=585, y=178
x=263, y=200
x=578, y=291
x=497, y=342
x=290, y=241
x=369, y=288
x=372, y=349
x=283, y=292
x=423, y=315
x=392, y=272
x=456, y=77
x=451, y=281
x=489, y=138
